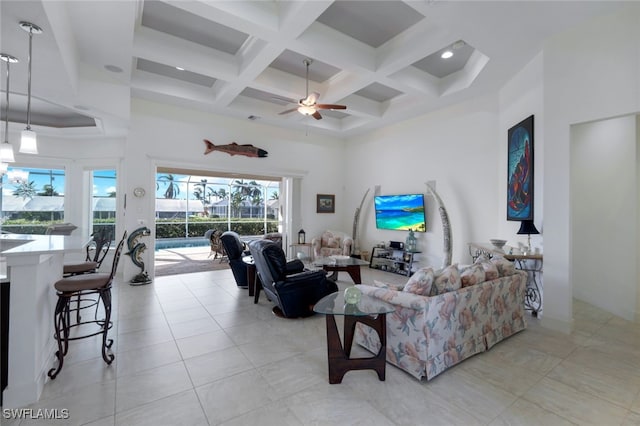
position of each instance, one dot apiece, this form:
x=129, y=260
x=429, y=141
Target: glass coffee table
x=335, y=264
x=369, y=311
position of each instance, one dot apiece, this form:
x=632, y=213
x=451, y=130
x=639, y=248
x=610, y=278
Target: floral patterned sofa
x=332, y=243
x=444, y=317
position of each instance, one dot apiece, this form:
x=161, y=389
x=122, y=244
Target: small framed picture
x=326, y=203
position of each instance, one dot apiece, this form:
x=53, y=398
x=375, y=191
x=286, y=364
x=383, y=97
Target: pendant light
x=28, y=142
x=6, y=149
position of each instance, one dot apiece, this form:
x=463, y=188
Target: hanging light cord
x=6, y=107
x=29, y=81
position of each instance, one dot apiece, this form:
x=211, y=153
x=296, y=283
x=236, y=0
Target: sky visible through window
x=105, y=183
x=40, y=178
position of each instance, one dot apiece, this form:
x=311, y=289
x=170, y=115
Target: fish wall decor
x=233, y=148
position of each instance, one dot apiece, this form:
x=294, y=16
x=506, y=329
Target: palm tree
x=173, y=189
x=203, y=192
x=248, y=191
x=25, y=190
x=257, y=199
x=48, y=191
x=274, y=196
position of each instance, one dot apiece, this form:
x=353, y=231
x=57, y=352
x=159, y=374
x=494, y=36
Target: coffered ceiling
x=245, y=58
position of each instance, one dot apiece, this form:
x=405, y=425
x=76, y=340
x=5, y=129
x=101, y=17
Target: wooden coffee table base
x=352, y=270
x=338, y=356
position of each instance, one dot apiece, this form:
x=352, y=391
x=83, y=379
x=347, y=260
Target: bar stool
x=69, y=288
x=96, y=252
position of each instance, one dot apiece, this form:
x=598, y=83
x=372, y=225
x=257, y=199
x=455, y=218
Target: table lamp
x=527, y=227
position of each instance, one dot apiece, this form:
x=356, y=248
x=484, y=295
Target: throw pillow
x=504, y=266
x=333, y=242
x=490, y=270
x=420, y=283
x=471, y=275
x=447, y=279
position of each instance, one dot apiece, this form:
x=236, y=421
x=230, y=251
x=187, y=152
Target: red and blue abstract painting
x=520, y=171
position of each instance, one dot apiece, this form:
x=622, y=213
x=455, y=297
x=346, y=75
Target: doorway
x=604, y=216
x=191, y=202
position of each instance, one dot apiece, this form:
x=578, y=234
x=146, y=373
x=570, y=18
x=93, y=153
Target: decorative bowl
x=498, y=243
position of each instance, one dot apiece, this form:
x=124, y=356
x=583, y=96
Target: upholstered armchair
x=294, y=289
x=332, y=243
x=236, y=250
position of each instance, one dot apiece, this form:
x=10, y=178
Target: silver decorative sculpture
x=135, y=251
x=356, y=218
x=446, y=227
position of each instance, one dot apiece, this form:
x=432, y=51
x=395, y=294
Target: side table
x=252, y=276
x=306, y=246
x=369, y=311
x=531, y=263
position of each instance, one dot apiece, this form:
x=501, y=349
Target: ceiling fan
x=308, y=105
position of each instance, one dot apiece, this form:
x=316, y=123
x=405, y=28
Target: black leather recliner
x=292, y=288
x=235, y=252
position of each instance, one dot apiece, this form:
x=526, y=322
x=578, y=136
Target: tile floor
x=193, y=349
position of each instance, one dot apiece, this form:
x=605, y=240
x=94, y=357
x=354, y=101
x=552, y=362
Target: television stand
x=393, y=260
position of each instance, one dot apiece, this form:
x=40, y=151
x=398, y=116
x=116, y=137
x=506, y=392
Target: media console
x=393, y=260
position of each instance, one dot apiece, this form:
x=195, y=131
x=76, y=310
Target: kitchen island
x=34, y=263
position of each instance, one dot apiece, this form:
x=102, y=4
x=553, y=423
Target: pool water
x=168, y=243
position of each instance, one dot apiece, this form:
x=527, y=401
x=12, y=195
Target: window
x=32, y=199
x=188, y=205
x=103, y=201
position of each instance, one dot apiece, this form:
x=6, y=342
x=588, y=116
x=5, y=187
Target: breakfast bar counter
x=34, y=264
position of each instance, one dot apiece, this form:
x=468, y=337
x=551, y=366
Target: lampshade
x=6, y=153
x=28, y=142
x=528, y=228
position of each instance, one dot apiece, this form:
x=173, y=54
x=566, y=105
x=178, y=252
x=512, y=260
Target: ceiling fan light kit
x=308, y=105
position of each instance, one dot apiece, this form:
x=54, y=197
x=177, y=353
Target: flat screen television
x=400, y=212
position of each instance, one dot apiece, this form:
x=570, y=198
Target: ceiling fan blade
x=330, y=106
x=311, y=99
x=283, y=99
x=287, y=111
x=316, y=115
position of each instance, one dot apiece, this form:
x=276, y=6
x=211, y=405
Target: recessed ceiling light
x=446, y=54
x=180, y=68
x=113, y=68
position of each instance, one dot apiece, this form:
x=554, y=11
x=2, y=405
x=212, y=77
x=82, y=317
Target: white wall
x=588, y=75
x=457, y=148
x=169, y=136
x=604, y=199
x=520, y=98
